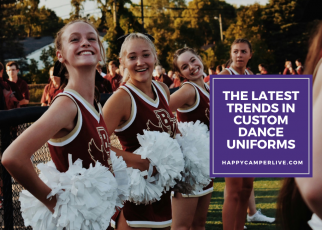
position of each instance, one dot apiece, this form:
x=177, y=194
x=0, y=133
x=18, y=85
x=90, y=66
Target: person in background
x=211, y=71
x=262, y=69
x=218, y=69
x=53, y=88
x=103, y=85
x=99, y=69
x=114, y=78
x=289, y=69
x=16, y=82
x=171, y=75
x=161, y=77
x=300, y=68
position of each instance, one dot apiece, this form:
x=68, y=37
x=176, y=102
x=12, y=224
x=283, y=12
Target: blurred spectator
x=219, y=69
x=102, y=85
x=177, y=81
x=16, y=83
x=300, y=68
x=211, y=71
x=171, y=75
x=262, y=69
x=289, y=69
x=163, y=71
x=4, y=90
x=99, y=69
x=161, y=77
x=114, y=78
x=53, y=88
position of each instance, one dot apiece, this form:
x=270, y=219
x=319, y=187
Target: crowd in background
x=14, y=92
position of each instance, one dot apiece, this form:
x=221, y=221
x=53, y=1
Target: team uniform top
x=198, y=111
x=234, y=72
x=88, y=140
x=151, y=115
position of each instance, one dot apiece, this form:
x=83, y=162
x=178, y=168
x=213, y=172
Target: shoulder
x=63, y=107
x=165, y=87
x=119, y=99
x=187, y=90
x=224, y=72
x=250, y=72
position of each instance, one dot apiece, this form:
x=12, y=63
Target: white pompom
x=315, y=222
x=120, y=171
x=165, y=154
x=143, y=191
x=194, y=143
x=86, y=198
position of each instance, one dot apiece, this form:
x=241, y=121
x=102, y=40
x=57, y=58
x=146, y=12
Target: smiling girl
x=140, y=104
x=73, y=123
x=191, y=102
x=238, y=190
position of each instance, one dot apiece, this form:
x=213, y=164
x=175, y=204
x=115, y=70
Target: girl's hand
x=51, y=203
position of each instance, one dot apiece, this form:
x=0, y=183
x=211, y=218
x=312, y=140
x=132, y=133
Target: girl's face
x=190, y=66
x=80, y=46
x=240, y=54
x=139, y=60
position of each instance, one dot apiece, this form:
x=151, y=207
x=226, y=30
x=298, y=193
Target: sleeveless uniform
x=88, y=140
x=152, y=115
x=234, y=72
x=198, y=111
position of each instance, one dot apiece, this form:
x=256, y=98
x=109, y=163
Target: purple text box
x=242, y=149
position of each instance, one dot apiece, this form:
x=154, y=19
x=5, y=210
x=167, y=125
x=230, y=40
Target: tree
x=9, y=34
x=34, y=22
x=249, y=25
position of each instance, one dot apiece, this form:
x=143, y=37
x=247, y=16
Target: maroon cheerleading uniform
x=234, y=72
x=151, y=115
x=88, y=140
x=198, y=111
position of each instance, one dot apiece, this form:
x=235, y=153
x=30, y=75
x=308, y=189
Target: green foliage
x=34, y=22
x=36, y=91
x=9, y=45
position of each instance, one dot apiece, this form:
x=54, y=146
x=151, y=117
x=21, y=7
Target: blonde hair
x=133, y=36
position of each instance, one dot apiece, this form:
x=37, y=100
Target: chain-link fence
x=12, y=124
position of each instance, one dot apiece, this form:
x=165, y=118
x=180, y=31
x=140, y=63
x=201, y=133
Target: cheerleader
x=140, y=104
x=238, y=190
x=191, y=102
x=73, y=123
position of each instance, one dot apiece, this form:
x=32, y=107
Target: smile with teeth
x=195, y=71
x=141, y=70
x=85, y=53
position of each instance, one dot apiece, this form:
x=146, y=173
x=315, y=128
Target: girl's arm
x=116, y=111
x=16, y=158
x=310, y=188
x=185, y=96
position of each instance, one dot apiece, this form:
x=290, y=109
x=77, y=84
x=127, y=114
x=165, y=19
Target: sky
x=63, y=9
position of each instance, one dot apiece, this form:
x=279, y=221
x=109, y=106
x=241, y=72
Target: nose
x=140, y=61
x=85, y=43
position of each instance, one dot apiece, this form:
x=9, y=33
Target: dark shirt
x=115, y=81
x=104, y=86
x=164, y=78
x=20, y=86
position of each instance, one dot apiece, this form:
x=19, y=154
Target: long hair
x=292, y=212
x=315, y=51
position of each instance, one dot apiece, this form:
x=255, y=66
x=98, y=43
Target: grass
x=266, y=191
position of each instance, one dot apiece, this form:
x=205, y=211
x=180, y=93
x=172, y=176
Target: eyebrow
x=142, y=52
x=76, y=33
